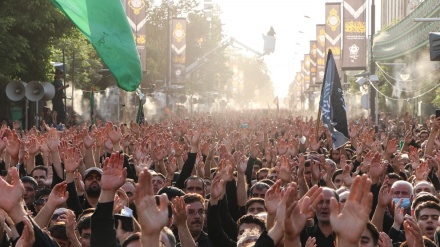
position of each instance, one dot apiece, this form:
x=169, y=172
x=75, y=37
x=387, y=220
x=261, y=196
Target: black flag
x=332, y=104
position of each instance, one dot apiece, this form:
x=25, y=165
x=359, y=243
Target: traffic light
x=434, y=46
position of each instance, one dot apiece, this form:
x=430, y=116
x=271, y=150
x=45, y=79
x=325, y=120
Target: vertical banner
x=136, y=11
x=305, y=84
x=332, y=104
x=333, y=31
x=306, y=69
x=298, y=84
x=354, y=49
x=320, y=53
x=313, y=57
x=178, y=50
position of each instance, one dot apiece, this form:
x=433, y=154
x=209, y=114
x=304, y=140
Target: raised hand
x=12, y=143
x=346, y=177
x=179, y=211
x=87, y=140
x=399, y=215
x=242, y=165
x=225, y=170
x=171, y=166
x=422, y=171
x=58, y=195
x=282, y=147
x=33, y=146
x=72, y=159
x=218, y=189
x=296, y=216
x=413, y=233
x=284, y=169
x=53, y=140
x=354, y=214
x=385, y=194
x=273, y=198
x=114, y=135
x=315, y=195
x=113, y=172
x=384, y=240
x=152, y=218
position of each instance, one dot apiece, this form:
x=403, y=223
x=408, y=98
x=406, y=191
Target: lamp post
x=373, y=93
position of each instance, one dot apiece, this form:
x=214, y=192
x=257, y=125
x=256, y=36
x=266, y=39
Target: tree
x=28, y=29
x=82, y=62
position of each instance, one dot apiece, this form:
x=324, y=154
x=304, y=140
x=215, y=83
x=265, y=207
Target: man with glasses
x=195, y=210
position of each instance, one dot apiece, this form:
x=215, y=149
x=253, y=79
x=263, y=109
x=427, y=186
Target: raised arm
x=102, y=223
x=354, y=214
x=152, y=217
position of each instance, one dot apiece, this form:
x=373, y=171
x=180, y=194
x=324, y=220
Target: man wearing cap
x=92, y=186
x=57, y=101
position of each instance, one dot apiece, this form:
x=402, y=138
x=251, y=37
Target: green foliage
x=27, y=31
x=82, y=61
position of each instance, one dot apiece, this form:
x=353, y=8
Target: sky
x=247, y=20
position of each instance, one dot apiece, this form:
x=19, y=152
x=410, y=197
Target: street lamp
x=404, y=74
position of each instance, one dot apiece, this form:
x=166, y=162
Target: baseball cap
x=90, y=170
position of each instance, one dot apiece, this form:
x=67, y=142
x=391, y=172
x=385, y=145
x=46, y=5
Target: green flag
x=105, y=25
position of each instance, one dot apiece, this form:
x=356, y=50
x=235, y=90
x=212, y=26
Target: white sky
x=247, y=20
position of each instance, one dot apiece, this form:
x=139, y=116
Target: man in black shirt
x=322, y=232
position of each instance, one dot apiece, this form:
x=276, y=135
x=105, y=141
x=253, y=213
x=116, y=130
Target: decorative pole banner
x=313, y=59
x=178, y=50
x=106, y=27
x=333, y=31
x=354, y=55
x=306, y=68
x=136, y=11
x=320, y=53
x=305, y=84
x=332, y=104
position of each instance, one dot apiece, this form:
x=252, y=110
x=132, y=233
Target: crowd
x=253, y=178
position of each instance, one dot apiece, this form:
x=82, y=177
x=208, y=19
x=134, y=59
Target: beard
x=93, y=192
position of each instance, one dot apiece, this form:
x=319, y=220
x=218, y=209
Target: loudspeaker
x=36, y=91
x=49, y=90
x=16, y=90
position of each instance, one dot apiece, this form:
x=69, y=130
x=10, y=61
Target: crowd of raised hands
x=295, y=159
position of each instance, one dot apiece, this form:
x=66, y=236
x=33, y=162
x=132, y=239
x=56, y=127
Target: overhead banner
x=313, y=58
x=178, y=50
x=354, y=50
x=333, y=31
x=136, y=11
x=320, y=53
